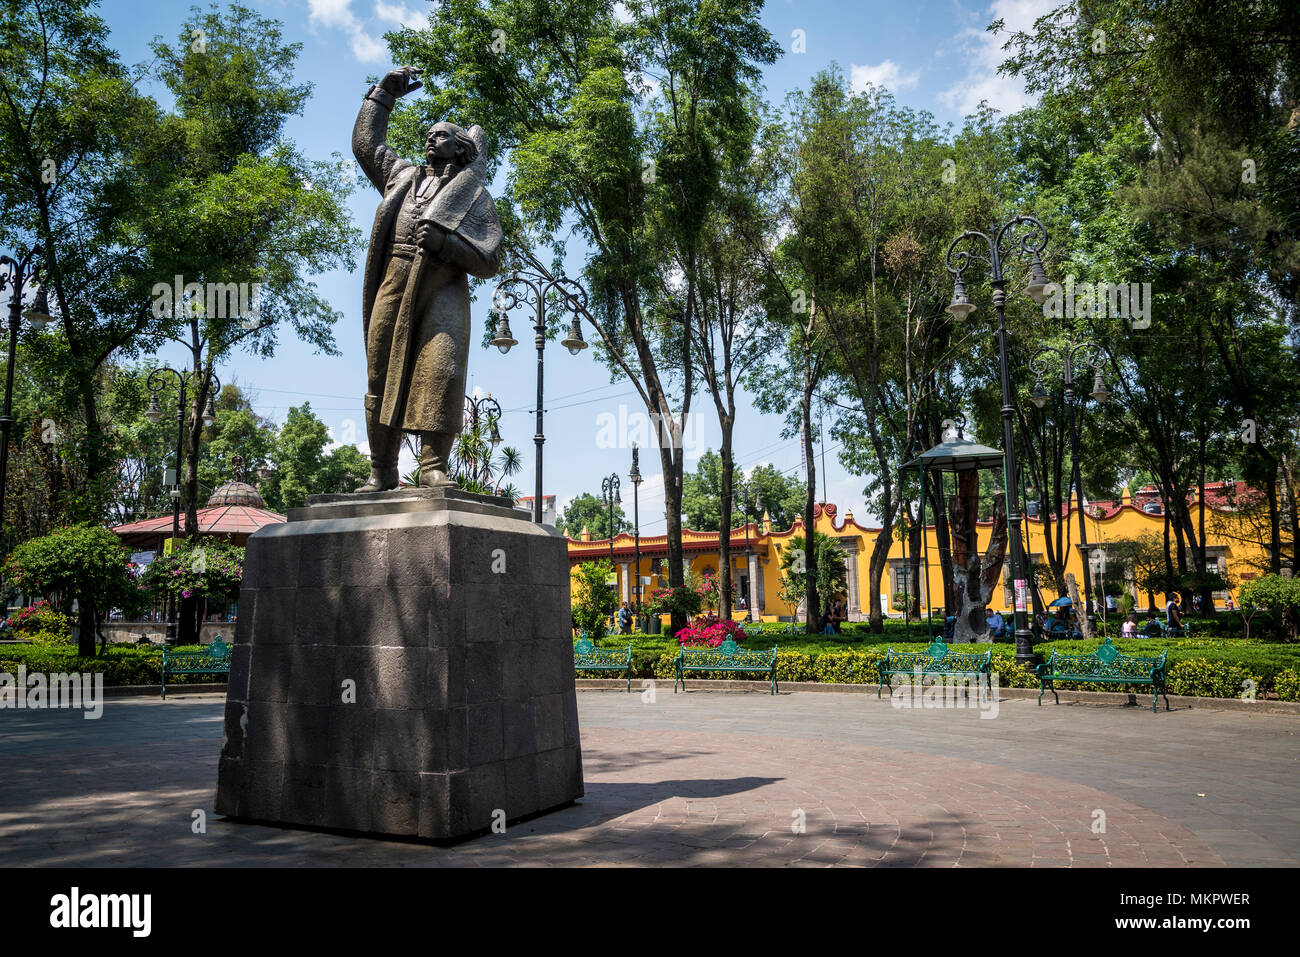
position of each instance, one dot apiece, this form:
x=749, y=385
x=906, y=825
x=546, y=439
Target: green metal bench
x=1106, y=664
x=727, y=656
x=587, y=657
x=937, y=660
x=212, y=660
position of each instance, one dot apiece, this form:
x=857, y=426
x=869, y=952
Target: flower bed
x=708, y=631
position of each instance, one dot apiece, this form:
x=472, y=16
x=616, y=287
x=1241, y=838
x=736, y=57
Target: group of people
x=836, y=613
x=1172, y=625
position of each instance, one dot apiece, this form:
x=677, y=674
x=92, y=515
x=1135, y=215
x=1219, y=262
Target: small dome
x=237, y=493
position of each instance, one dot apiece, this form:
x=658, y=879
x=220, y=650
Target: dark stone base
x=402, y=666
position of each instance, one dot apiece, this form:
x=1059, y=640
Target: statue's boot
x=385, y=444
x=435, y=456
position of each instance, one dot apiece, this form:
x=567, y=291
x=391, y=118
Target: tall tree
x=246, y=216
x=564, y=86
x=75, y=176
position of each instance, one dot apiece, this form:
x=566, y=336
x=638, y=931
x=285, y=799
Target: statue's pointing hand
x=401, y=81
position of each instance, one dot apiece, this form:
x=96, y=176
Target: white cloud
x=331, y=13
x=400, y=15
x=338, y=15
x=983, y=51
x=886, y=73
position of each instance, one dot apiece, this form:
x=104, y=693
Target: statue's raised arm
x=370, y=133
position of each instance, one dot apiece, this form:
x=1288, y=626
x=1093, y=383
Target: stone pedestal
x=403, y=665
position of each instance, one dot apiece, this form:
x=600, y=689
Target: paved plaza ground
x=718, y=778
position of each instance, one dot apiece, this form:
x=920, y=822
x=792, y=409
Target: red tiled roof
x=213, y=520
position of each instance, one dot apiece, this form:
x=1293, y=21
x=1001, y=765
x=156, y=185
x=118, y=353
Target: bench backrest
x=585, y=653
x=1107, y=662
x=725, y=653
x=938, y=656
x=215, y=655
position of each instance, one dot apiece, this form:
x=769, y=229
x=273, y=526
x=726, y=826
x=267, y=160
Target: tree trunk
x=86, y=629
x=963, y=511
x=914, y=544
x=812, y=609
x=1072, y=589
x=1274, y=525
x=942, y=539
x=672, y=466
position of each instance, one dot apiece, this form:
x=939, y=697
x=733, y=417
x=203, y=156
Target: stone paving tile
x=877, y=786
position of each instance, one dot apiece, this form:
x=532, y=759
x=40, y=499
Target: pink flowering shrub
x=708, y=631
x=40, y=618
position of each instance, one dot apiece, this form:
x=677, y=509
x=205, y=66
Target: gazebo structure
x=234, y=512
x=964, y=459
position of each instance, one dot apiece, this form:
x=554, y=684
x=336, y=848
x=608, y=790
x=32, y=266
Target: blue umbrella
x=1062, y=602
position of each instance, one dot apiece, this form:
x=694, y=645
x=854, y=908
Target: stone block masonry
x=402, y=667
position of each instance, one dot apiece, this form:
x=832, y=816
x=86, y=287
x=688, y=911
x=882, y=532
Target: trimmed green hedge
x=121, y=665
x=1192, y=671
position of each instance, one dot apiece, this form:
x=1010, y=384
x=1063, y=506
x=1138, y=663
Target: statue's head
x=447, y=141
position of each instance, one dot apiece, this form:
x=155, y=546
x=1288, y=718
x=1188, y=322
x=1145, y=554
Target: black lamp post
x=18, y=271
x=484, y=406
x=154, y=414
x=635, y=477
x=609, y=486
x=535, y=291
x=1030, y=243
x=1093, y=357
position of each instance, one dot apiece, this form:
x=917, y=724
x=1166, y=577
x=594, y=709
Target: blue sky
x=934, y=55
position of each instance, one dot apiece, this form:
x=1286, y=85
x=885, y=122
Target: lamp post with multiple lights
x=635, y=477
x=1006, y=239
x=535, y=290
x=15, y=275
x=476, y=409
x=609, y=486
x=1093, y=357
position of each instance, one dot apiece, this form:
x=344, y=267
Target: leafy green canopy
x=831, y=570
x=590, y=512
x=593, y=600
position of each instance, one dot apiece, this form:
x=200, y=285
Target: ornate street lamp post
x=1093, y=357
x=18, y=271
x=156, y=382
x=609, y=495
x=609, y=486
x=489, y=407
x=635, y=477
x=535, y=290
x=1001, y=243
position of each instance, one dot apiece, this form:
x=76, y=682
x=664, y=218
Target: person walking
x=625, y=619
x=1172, y=618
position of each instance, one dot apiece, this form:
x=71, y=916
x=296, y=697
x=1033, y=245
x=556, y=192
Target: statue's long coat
x=425, y=383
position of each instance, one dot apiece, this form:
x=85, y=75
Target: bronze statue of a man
x=436, y=225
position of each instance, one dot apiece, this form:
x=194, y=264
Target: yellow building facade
x=756, y=555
